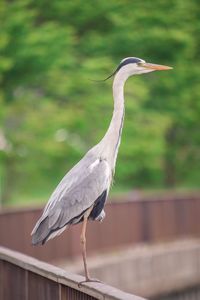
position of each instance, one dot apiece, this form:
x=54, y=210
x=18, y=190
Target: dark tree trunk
x=170, y=178
x=8, y=181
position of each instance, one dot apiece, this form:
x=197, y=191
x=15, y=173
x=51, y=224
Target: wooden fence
x=126, y=222
x=25, y=278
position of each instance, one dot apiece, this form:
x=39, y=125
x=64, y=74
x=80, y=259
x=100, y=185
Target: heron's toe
x=88, y=280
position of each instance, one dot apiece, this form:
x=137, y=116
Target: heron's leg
x=83, y=242
x=83, y=246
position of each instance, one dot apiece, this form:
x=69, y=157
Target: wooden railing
x=25, y=278
x=127, y=222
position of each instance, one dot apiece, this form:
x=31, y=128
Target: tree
x=48, y=53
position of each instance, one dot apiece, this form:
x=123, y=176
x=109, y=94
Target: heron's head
x=133, y=66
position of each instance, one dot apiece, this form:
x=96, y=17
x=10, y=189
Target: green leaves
x=51, y=112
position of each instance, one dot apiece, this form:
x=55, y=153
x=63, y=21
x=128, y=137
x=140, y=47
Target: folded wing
x=77, y=191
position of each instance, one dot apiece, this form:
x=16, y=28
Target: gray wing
x=77, y=191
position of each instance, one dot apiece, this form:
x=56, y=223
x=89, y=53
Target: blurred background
x=52, y=113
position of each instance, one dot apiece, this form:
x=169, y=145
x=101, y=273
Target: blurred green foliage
x=51, y=113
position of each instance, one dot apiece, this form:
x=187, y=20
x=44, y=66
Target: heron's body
x=82, y=193
x=87, y=183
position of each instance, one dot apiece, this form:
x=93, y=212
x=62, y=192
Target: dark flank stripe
x=98, y=206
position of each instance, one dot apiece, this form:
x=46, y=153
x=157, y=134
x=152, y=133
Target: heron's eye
x=140, y=64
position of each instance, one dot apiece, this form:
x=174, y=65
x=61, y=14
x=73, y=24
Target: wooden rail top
x=99, y=291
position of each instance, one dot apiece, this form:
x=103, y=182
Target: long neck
x=111, y=141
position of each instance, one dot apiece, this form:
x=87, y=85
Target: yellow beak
x=155, y=67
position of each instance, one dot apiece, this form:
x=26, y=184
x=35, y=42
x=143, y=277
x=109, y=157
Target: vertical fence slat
x=13, y=282
x=42, y=288
x=71, y=294
x=1, y=279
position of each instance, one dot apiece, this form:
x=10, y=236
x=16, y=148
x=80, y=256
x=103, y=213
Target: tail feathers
x=40, y=232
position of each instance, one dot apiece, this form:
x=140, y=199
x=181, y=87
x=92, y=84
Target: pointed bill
x=155, y=66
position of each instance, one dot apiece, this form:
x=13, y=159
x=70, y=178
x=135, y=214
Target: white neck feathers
x=110, y=143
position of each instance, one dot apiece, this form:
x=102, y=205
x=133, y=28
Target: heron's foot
x=88, y=280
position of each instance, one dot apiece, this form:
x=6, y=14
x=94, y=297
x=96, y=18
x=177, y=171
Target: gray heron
x=82, y=193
